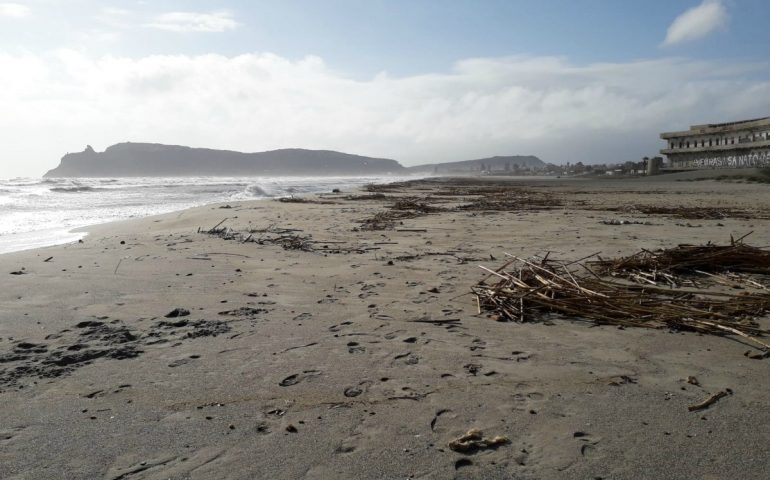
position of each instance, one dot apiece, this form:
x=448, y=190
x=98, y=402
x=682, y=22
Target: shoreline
x=313, y=344
x=694, y=175
x=34, y=206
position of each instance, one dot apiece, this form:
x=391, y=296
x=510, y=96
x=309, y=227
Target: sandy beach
x=317, y=339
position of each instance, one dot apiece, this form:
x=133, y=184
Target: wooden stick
x=437, y=322
x=735, y=331
x=707, y=402
x=218, y=224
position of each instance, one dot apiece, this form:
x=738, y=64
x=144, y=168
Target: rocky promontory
x=157, y=160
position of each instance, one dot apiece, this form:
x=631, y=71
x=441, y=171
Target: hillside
x=157, y=160
x=497, y=163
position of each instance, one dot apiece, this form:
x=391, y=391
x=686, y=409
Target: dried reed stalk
x=524, y=290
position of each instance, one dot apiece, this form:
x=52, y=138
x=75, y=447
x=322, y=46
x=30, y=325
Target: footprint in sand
x=337, y=328
x=298, y=377
x=463, y=462
x=588, y=443
x=362, y=387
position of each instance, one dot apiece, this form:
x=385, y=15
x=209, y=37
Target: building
x=721, y=145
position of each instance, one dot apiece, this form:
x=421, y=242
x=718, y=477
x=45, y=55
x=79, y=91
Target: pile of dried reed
x=528, y=290
x=735, y=258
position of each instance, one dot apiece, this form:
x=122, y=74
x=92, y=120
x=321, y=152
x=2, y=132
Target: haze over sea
x=37, y=212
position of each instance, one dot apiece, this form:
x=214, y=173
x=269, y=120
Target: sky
x=419, y=81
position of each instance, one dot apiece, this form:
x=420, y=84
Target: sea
x=39, y=212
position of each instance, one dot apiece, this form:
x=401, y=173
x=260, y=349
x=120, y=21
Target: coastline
x=315, y=361
x=43, y=212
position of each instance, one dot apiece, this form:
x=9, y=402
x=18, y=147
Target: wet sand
x=152, y=350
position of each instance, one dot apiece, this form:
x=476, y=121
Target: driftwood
x=709, y=401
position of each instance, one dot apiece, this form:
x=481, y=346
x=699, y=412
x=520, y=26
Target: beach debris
x=287, y=238
x=471, y=198
x=615, y=221
x=403, y=208
x=687, y=213
x=756, y=355
x=710, y=400
x=530, y=290
x=244, y=312
x=508, y=199
x=372, y=196
x=19, y=272
x=386, y=187
x=178, y=312
x=293, y=199
x=89, y=341
x=474, y=441
x=48, y=259
x=440, y=321
x=708, y=260
x=207, y=328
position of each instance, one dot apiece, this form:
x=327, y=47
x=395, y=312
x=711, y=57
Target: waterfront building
x=742, y=144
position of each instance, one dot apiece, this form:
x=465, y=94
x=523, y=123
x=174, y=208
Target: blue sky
x=419, y=81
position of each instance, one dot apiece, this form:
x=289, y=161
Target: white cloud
x=194, y=22
x=697, y=22
x=14, y=10
x=545, y=106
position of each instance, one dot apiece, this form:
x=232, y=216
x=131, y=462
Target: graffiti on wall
x=749, y=160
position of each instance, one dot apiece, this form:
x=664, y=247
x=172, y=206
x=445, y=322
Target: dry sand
x=298, y=364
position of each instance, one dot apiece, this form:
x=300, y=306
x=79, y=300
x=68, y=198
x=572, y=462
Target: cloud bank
x=547, y=106
x=697, y=22
x=194, y=22
x=14, y=10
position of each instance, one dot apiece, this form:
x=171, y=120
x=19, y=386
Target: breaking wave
x=76, y=189
x=257, y=191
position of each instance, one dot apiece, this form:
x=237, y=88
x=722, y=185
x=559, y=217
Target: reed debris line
x=403, y=208
x=529, y=290
x=287, y=238
x=512, y=200
x=688, y=213
x=726, y=264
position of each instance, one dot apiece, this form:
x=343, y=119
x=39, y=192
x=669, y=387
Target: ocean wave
x=78, y=189
x=256, y=191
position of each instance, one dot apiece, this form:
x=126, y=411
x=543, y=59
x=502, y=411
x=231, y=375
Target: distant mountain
x=156, y=160
x=511, y=163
